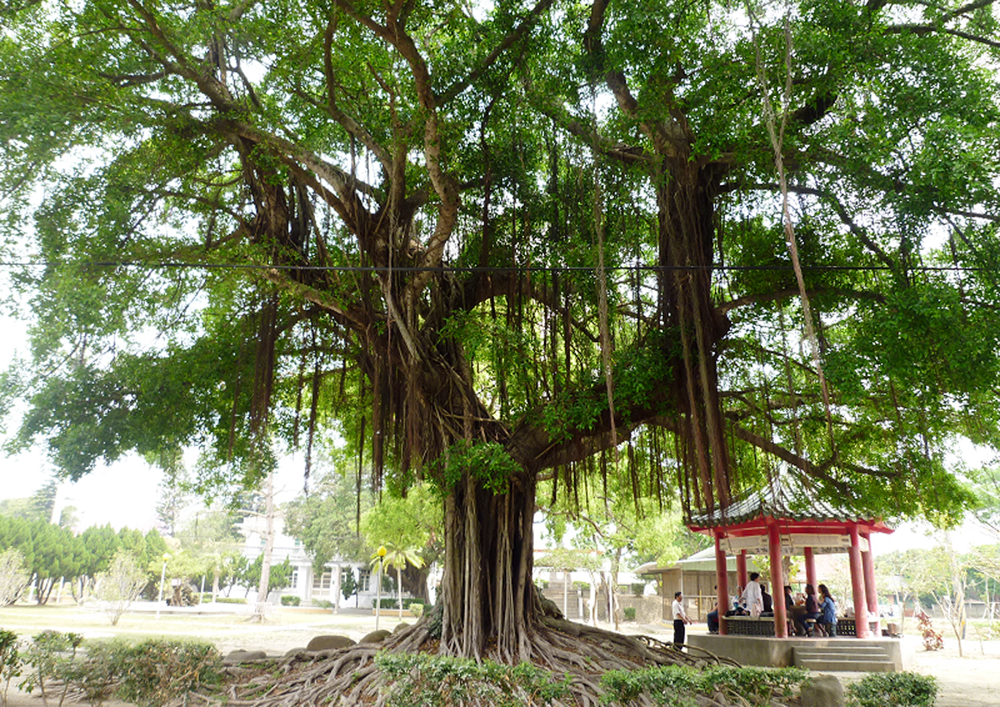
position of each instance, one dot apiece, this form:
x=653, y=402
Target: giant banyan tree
x=491, y=245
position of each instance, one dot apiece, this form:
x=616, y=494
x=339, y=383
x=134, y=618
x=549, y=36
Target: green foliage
x=11, y=663
x=348, y=584
x=678, y=686
x=326, y=521
x=153, y=673
x=120, y=585
x=290, y=600
x=628, y=613
x=421, y=679
x=893, y=690
x=51, y=656
x=14, y=577
x=488, y=462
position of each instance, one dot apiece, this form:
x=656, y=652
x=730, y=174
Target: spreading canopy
x=492, y=243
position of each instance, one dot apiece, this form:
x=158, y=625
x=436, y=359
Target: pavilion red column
x=857, y=584
x=721, y=582
x=868, y=564
x=810, y=559
x=741, y=569
x=777, y=581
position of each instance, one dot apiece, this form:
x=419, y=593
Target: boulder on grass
x=329, y=643
x=242, y=656
x=376, y=636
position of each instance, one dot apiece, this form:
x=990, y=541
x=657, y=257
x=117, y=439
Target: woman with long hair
x=828, y=611
x=811, y=612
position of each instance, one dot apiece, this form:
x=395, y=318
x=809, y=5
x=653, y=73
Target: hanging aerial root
x=349, y=676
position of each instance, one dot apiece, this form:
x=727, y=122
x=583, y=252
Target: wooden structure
x=783, y=519
x=696, y=577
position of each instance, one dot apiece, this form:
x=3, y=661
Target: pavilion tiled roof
x=783, y=498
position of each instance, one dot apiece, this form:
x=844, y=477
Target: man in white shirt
x=680, y=618
x=752, y=597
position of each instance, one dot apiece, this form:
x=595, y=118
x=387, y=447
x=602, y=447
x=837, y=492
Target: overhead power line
x=174, y=265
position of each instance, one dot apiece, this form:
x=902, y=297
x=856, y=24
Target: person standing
x=828, y=612
x=752, y=598
x=680, y=618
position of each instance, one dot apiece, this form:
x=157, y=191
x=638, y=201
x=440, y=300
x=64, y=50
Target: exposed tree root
x=349, y=676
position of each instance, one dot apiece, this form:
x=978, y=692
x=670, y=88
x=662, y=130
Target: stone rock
x=242, y=656
x=400, y=626
x=822, y=691
x=329, y=643
x=376, y=636
x=550, y=608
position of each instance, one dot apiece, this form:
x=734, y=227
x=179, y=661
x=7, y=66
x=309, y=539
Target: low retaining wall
x=779, y=652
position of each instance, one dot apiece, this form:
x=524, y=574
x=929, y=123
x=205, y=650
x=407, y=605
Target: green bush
x=679, y=686
x=893, y=690
x=290, y=600
x=439, y=681
x=230, y=600
x=638, y=588
x=388, y=603
x=10, y=662
x=629, y=613
x=51, y=654
x=417, y=609
x=155, y=672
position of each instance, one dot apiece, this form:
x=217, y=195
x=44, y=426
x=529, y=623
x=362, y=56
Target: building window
x=294, y=582
x=298, y=543
x=364, y=580
x=322, y=582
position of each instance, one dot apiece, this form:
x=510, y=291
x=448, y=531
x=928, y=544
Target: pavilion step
x=844, y=658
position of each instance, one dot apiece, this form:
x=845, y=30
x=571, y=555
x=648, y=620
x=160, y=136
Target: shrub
x=51, y=654
x=10, y=662
x=120, y=585
x=581, y=586
x=629, y=613
x=290, y=600
x=638, y=588
x=154, y=672
x=893, y=690
x=432, y=681
x=680, y=686
x=230, y=600
x=417, y=609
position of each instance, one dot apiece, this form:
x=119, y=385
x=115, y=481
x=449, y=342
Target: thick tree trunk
x=487, y=594
x=685, y=198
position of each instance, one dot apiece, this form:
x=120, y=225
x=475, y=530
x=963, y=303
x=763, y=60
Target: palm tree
x=399, y=557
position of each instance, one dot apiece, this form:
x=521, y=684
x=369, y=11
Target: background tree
x=14, y=577
x=327, y=521
x=498, y=243
x=410, y=527
x=120, y=585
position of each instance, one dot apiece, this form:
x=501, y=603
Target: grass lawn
x=284, y=627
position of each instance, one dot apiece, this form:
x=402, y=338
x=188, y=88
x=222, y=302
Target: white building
x=306, y=584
